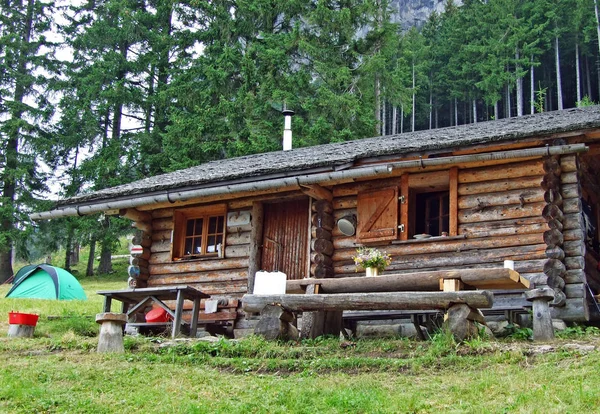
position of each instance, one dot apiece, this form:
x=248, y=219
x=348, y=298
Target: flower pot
x=372, y=271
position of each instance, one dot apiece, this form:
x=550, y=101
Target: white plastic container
x=269, y=283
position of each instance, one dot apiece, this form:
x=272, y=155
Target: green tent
x=45, y=282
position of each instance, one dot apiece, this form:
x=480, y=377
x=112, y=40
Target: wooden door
x=285, y=238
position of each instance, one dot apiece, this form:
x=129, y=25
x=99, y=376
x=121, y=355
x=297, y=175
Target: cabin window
x=199, y=233
x=428, y=204
x=432, y=213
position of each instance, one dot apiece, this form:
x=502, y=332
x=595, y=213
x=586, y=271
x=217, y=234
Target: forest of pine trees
x=98, y=93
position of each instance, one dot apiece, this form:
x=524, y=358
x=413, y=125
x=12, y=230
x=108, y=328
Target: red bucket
x=18, y=318
x=158, y=315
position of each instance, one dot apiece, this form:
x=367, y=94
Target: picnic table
x=135, y=300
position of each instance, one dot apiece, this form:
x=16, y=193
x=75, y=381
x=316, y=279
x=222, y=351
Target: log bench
x=431, y=319
x=461, y=305
x=409, y=292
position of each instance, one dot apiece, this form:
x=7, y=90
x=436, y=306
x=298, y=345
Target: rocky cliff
x=415, y=12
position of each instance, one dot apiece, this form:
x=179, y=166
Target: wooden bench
x=448, y=290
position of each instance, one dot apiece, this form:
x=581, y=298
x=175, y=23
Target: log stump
x=542, y=320
x=20, y=331
x=111, y=331
x=276, y=322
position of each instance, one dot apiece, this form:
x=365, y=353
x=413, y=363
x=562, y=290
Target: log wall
x=221, y=277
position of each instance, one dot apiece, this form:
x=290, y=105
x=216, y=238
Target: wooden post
x=256, y=234
x=312, y=322
x=111, y=331
x=542, y=321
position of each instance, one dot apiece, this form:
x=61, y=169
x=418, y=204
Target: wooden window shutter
x=378, y=215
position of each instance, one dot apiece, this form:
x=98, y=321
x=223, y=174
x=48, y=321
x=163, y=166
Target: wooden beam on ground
x=488, y=278
x=369, y=301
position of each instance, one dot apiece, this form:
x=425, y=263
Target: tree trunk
x=430, y=107
x=577, y=72
x=395, y=120
x=377, y=106
x=401, y=118
x=559, y=96
x=412, y=122
x=519, y=81
x=532, y=88
x=105, y=266
x=455, y=111
x=474, y=111
x=68, y=248
x=90, y=263
x=7, y=225
x=496, y=111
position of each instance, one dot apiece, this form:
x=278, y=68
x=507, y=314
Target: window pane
x=221, y=224
x=212, y=225
x=211, y=246
x=197, y=245
x=198, y=230
x=446, y=205
x=188, y=247
x=190, y=228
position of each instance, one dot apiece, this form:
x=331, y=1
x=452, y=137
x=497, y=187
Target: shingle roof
x=329, y=155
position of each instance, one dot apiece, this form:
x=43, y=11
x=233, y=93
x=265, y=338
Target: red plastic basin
x=158, y=315
x=18, y=318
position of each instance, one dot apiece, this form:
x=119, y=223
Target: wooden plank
x=187, y=266
x=500, y=198
x=369, y=301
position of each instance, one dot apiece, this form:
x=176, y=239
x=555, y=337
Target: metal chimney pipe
x=287, y=129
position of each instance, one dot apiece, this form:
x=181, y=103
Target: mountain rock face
x=410, y=13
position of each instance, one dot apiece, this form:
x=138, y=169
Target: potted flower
x=372, y=260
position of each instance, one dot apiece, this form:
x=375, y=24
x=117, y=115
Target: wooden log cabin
x=525, y=189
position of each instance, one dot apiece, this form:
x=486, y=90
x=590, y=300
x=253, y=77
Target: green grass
x=58, y=371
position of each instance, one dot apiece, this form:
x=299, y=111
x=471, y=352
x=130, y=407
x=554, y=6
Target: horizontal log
x=572, y=205
x=574, y=310
x=574, y=290
x=552, y=165
x=322, y=206
x=572, y=221
x=574, y=248
x=136, y=215
x=162, y=213
x=242, y=250
x=500, y=278
x=569, y=178
x=474, y=231
x=554, y=267
x=513, y=170
x=456, y=259
x=530, y=195
x=573, y=235
x=553, y=237
x=320, y=233
x=555, y=224
x=570, y=191
x=555, y=252
x=575, y=276
x=247, y=202
x=321, y=246
x=162, y=235
x=199, y=277
x=553, y=197
x=321, y=270
x=511, y=211
x=494, y=185
x=235, y=239
x=575, y=262
x=162, y=224
x=439, y=245
x=325, y=221
x=343, y=203
x=142, y=239
x=552, y=212
x=320, y=258
x=550, y=182
x=370, y=301
x=239, y=229
x=188, y=266
x=161, y=246
x=352, y=189
x=138, y=261
x=145, y=254
x=568, y=163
